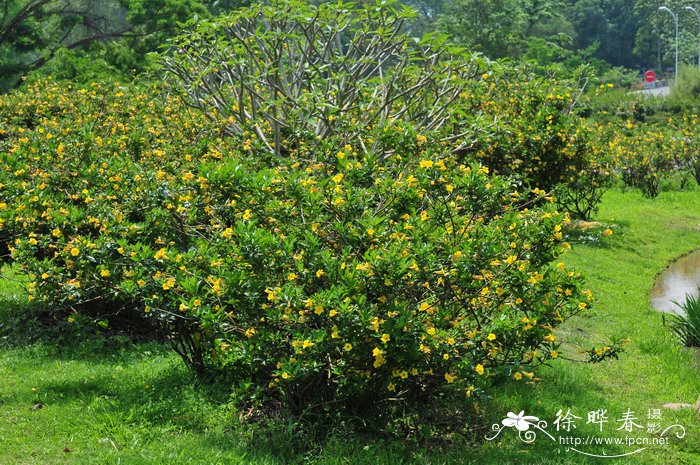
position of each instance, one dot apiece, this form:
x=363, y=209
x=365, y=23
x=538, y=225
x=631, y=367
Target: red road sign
x=650, y=76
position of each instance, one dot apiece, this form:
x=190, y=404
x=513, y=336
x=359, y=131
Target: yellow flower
x=169, y=284
x=338, y=177
x=391, y=387
x=491, y=337
x=75, y=251
x=479, y=369
x=450, y=378
x=307, y=344
x=246, y=214
x=554, y=354
x=105, y=273
x=385, y=338
x=426, y=164
x=285, y=375
x=370, y=232
x=431, y=331
x=607, y=232
x=320, y=273
x=363, y=267
x=271, y=294
x=291, y=276
x=347, y=347
x=518, y=375
x=160, y=255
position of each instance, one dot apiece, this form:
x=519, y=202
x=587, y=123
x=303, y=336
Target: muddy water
x=679, y=279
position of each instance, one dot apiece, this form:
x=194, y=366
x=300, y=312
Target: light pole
x=698, y=15
x=675, y=19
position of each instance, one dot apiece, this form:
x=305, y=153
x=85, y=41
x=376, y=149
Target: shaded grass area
x=92, y=401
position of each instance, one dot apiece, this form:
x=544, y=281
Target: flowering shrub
x=646, y=163
x=343, y=275
x=530, y=127
x=646, y=153
x=83, y=166
x=534, y=132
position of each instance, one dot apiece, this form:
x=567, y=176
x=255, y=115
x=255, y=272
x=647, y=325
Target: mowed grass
x=70, y=401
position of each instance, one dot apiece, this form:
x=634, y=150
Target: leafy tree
x=32, y=31
x=500, y=28
x=120, y=31
x=610, y=24
x=490, y=26
x=655, y=35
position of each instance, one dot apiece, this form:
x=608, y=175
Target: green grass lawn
x=115, y=402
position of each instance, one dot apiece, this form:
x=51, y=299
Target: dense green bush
x=328, y=275
x=644, y=154
x=687, y=86
x=530, y=127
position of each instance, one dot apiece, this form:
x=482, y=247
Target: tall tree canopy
x=121, y=31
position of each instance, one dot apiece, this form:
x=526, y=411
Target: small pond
x=679, y=279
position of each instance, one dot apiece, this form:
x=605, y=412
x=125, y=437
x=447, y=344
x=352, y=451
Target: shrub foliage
x=342, y=275
x=331, y=213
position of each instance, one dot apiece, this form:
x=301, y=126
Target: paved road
x=657, y=91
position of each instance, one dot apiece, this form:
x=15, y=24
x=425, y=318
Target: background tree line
x=85, y=38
